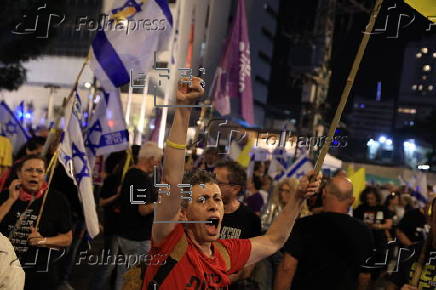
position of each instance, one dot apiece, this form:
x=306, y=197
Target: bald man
x=326, y=250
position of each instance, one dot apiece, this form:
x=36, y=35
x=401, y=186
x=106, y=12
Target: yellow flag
x=359, y=183
x=425, y=7
x=350, y=171
x=244, y=156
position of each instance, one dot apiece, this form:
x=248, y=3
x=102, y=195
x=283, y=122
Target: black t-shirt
x=408, y=261
x=330, y=248
x=131, y=224
x=411, y=223
x=374, y=215
x=110, y=211
x=241, y=224
x=62, y=183
x=55, y=220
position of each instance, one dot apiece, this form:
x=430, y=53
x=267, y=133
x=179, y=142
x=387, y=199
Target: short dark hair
x=30, y=157
x=236, y=174
x=196, y=177
x=369, y=190
x=35, y=142
x=257, y=182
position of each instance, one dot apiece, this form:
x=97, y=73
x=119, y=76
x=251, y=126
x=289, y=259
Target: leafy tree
x=18, y=46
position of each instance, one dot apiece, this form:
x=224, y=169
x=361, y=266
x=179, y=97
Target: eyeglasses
x=32, y=170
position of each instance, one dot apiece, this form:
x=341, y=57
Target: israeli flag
x=125, y=46
x=74, y=158
x=257, y=155
x=107, y=131
x=280, y=162
x=418, y=186
x=11, y=128
x=297, y=170
x=128, y=39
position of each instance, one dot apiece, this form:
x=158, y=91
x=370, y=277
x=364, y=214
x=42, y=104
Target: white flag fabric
x=297, y=170
x=418, y=185
x=257, y=154
x=73, y=157
x=280, y=162
x=11, y=128
x=133, y=32
x=107, y=130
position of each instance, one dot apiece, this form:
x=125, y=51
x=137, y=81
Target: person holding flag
x=187, y=224
x=37, y=222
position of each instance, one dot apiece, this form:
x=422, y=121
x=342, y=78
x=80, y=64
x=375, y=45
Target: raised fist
x=187, y=95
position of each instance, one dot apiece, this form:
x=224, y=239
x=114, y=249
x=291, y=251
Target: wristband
x=175, y=145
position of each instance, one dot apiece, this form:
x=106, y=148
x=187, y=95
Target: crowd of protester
x=374, y=246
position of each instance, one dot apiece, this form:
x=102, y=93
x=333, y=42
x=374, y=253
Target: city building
x=417, y=96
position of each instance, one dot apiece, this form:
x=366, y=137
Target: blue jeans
x=133, y=250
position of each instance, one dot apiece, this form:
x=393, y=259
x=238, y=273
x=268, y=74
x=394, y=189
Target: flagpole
x=141, y=121
x=348, y=86
x=52, y=131
x=50, y=171
x=51, y=136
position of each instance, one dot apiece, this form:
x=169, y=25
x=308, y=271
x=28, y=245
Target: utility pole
x=316, y=80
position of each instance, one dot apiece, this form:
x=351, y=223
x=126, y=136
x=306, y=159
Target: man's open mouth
x=214, y=222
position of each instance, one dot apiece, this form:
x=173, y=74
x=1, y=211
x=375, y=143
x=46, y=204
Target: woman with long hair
x=280, y=196
x=282, y=193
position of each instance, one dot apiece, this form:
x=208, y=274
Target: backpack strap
x=173, y=258
x=176, y=255
x=224, y=254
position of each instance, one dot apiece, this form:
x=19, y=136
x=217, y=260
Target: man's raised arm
x=280, y=229
x=174, y=161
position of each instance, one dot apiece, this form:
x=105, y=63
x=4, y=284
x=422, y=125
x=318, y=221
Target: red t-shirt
x=195, y=270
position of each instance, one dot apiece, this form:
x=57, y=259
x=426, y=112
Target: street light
x=382, y=139
x=370, y=142
x=424, y=166
x=409, y=146
x=388, y=142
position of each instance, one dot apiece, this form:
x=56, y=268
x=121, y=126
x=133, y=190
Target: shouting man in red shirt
x=187, y=231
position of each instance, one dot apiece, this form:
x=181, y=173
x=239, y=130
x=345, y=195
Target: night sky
x=382, y=61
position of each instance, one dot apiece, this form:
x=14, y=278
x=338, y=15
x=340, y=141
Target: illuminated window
x=424, y=50
x=420, y=88
x=434, y=54
x=424, y=78
x=418, y=55
x=426, y=68
x=414, y=87
x=430, y=87
x=407, y=110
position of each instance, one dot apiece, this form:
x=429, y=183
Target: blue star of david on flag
x=84, y=170
x=11, y=128
x=94, y=129
x=76, y=163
